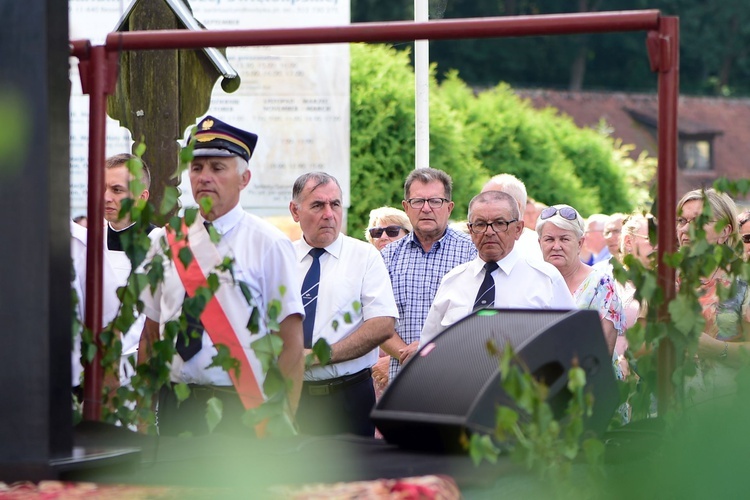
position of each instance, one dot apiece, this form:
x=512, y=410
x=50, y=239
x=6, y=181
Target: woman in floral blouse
x=561, y=236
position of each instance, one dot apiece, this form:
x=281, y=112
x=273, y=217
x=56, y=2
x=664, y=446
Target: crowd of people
x=375, y=302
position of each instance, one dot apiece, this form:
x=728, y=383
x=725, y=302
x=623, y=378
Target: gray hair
x=320, y=178
x=576, y=225
x=487, y=196
x=509, y=184
x=427, y=175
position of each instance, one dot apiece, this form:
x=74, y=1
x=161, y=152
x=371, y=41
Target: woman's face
x=745, y=233
x=690, y=211
x=384, y=239
x=638, y=244
x=560, y=247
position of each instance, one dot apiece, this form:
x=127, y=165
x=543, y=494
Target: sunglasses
x=390, y=231
x=746, y=238
x=566, y=213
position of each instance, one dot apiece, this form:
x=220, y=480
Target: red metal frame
x=99, y=67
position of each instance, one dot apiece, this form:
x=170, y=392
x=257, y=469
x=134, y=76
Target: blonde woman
x=387, y=224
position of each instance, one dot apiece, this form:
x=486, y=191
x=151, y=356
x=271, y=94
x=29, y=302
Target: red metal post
x=665, y=50
x=555, y=24
x=94, y=76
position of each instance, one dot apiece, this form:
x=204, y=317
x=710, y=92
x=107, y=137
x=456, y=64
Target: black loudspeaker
x=452, y=384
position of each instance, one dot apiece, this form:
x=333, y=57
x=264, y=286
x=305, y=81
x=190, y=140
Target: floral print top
x=598, y=292
x=729, y=320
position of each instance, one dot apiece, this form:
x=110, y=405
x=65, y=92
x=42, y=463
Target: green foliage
x=473, y=137
x=536, y=439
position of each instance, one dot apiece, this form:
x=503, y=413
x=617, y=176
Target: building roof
x=633, y=117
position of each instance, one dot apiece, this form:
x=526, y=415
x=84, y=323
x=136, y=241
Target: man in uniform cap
x=263, y=263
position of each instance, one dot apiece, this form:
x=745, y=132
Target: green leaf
x=593, y=450
x=190, y=215
x=253, y=324
x=685, y=315
x=169, y=201
x=186, y=256
x=267, y=349
x=482, y=448
x=214, y=413
x=182, y=392
x=224, y=360
x=213, y=282
x=348, y=318
x=205, y=203
x=322, y=351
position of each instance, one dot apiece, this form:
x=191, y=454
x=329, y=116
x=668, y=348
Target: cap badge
x=207, y=124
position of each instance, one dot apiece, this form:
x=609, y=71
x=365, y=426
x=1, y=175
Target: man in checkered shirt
x=418, y=261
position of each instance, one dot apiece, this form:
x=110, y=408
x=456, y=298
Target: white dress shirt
x=351, y=271
x=263, y=259
x=520, y=283
x=528, y=244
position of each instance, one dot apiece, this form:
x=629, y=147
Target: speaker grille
x=446, y=376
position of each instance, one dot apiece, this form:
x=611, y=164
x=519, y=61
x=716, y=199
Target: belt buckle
x=319, y=390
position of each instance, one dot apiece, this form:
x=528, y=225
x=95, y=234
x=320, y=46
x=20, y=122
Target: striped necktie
x=486, y=295
x=310, y=295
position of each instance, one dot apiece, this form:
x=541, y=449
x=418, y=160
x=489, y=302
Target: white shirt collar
x=334, y=248
x=226, y=222
x=505, y=264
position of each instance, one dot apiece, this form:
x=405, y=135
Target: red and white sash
x=226, y=315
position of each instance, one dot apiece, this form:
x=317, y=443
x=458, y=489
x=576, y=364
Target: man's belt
x=326, y=387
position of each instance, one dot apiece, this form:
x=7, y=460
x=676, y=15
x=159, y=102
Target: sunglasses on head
x=565, y=212
x=390, y=231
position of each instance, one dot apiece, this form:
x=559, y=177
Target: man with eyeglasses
x=418, y=261
x=500, y=276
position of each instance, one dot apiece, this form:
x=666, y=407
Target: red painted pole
x=669, y=89
x=556, y=24
x=96, y=78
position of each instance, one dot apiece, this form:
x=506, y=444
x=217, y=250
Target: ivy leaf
x=185, y=256
x=169, y=201
x=683, y=314
x=253, y=324
x=213, y=282
x=347, y=318
x=322, y=351
x=190, y=215
x=593, y=450
x=214, y=413
x=356, y=307
x=182, y=392
x=274, y=309
x=205, y=203
x=335, y=325
x=481, y=448
x=224, y=360
x=267, y=349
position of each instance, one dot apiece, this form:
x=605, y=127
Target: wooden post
x=160, y=93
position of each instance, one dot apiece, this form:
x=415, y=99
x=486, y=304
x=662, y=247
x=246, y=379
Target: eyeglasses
x=418, y=203
x=566, y=213
x=746, y=238
x=390, y=231
x=682, y=221
x=499, y=226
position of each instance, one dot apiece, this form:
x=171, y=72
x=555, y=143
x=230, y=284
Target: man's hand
x=408, y=351
x=380, y=371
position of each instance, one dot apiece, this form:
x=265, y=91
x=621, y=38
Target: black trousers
x=189, y=416
x=344, y=410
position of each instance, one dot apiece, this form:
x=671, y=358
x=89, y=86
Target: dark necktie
x=486, y=295
x=190, y=342
x=310, y=295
